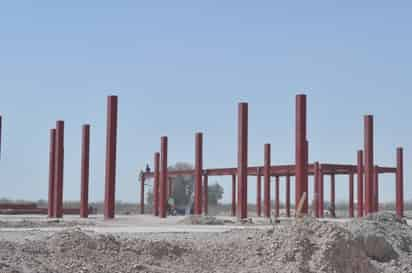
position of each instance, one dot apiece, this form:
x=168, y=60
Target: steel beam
x=360, y=184
x=399, y=183
x=332, y=195
x=198, y=173
x=288, y=195
x=266, y=181
x=233, y=195
x=369, y=165
x=85, y=167
x=301, y=151
x=111, y=150
x=59, y=170
x=258, y=193
x=316, y=197
x=206, y=195
x=156, y=183
x=242, y=159
x=351, y=195
x=52, y=156
x=142, y=181
x=321, y=191
x=277, y=197
x=376, y=190
x=163, y=177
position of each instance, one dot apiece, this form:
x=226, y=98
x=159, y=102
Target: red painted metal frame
x=142, y=181
x=233, y=195
x=52, y=156
x=258, y=193
x=277, y=197
x=198, y=173
x=111, y=149
x=399, y=183
x=376, y=189
x=332, y=195
x=351, y=195
x=85, y=166
x=369, y=165
x=266, y=181
x=242, y=159
x=316, y=197
x=163, y=177
x=206, y=195
x=156, y=185
x=360, y=184
x=288, y=196
x=58, y=170
x=321, y=191
x=301, y=151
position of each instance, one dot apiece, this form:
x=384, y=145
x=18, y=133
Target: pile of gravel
x=201, y=220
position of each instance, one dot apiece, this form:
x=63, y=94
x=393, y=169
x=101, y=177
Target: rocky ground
x=380, y=243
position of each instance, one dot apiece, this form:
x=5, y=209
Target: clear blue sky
x=182, y=66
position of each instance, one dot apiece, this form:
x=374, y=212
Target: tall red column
x=316, y=197
x=198, y=173
x=163, y=177
x=258, y=193
x=52, y=156
x=288, y=195
x=156, y=184
x=399, y=183
x=242, y=160
x=277, y=197
x=206, y=195
x=332, y=195
x=376, y=190
x=321, y=191
x=142, y=180
x=111, y=150
x=59, y=170
x=360, y=183
x=369, y=165
x=85, y=166
x=233, y=195
x=301, y=151
x=351, y=195
x=266, y=182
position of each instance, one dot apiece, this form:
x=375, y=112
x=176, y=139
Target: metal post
x=360, y=184
x=242, y=160
x=198, y=173
x=85, y=166
x=369, y=165
x=316, y=199
x=351, y=195
x=266, y=182
x=156, y=184
x=301, y=150
x=376, y=190
x=332, y=195
x=142, y=180
x=111, y=150
x=59, y=170
x=258, y=193
x=163, y=177
x=52, y=156
x=206, y=195
x=288, y=195
x=277, y=198
x=399, y=183
x=321, y=197
x=233, y=195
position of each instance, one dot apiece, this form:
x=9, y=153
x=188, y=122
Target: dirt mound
x=201, y=220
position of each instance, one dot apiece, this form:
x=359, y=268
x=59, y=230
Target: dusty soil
x=380, y=243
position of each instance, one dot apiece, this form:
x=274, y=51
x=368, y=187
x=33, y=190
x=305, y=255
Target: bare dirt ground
x=380, y=243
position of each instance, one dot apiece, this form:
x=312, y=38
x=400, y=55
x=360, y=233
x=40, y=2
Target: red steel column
x=360, y=183
x=376, y=190
x=316, y=199
x=399, y=182
x=321, y=197
x=351, y=195
x=84, y=195
x=332, y=195
x=59, y=170
x=156, y=184
x=266, y=182
x=233, y=195
x=142, y=180
x=242, y=160
x=111, y=150
x=277, y=198
x=258, y=193
x=288, y=195
x=206, y=195
x=369, y=165
x=301, y=150
x=52, y=156
x=198, y=173
x=163, y=177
